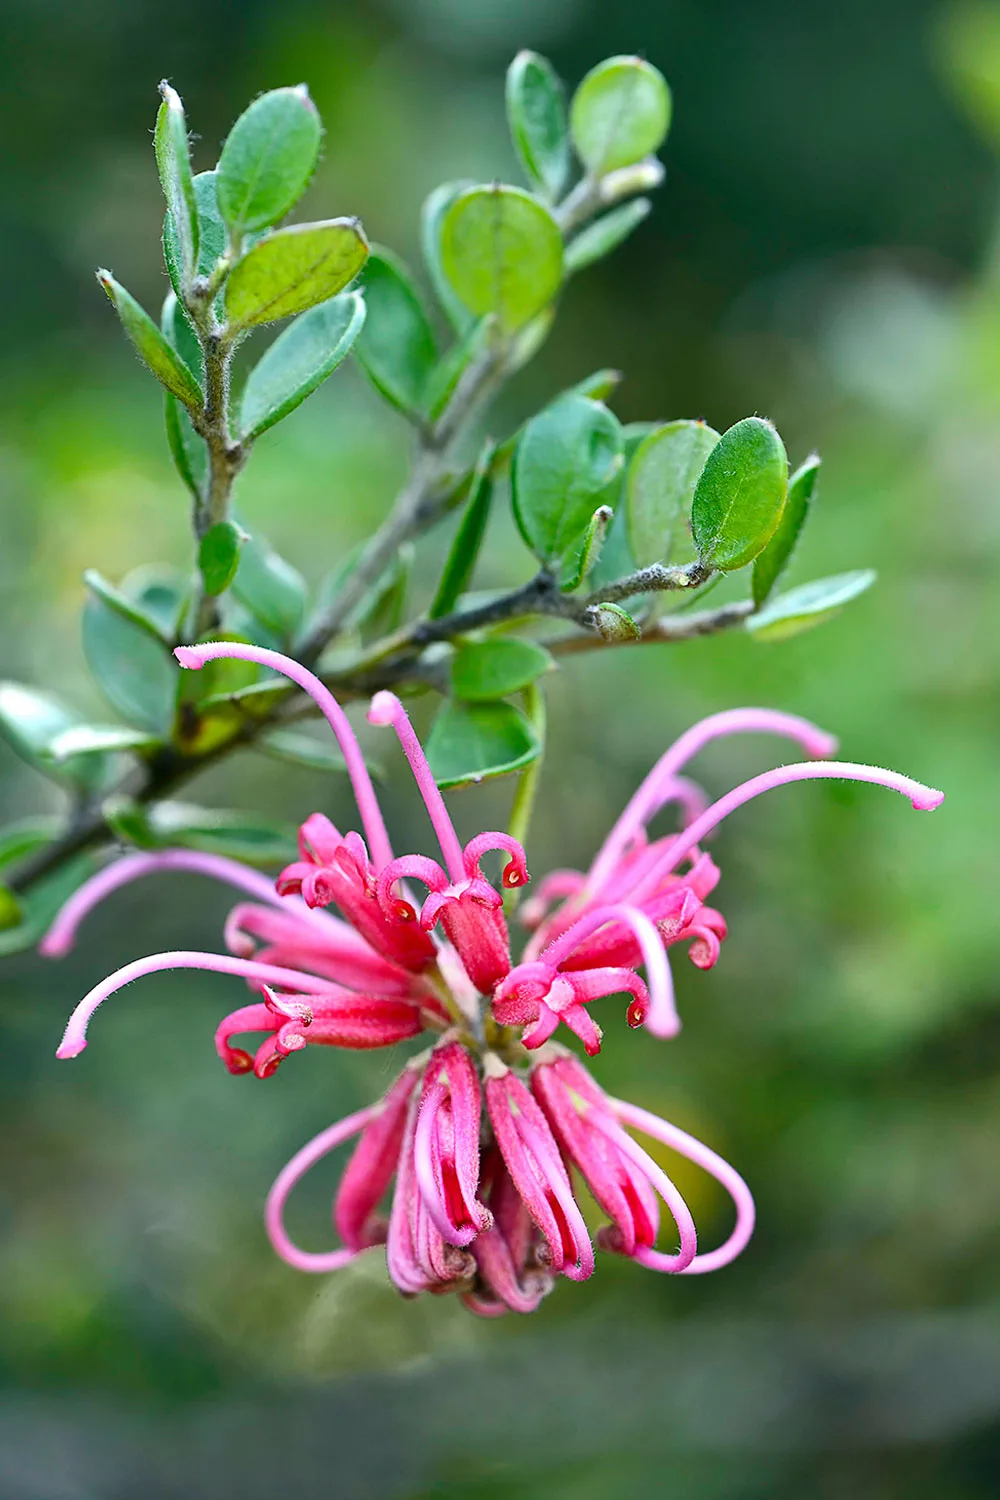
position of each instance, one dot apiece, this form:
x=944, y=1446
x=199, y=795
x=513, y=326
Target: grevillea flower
x=476, y=1143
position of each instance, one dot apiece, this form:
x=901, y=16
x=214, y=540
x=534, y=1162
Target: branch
x=421, y=502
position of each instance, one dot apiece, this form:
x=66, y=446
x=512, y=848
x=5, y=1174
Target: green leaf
x=31, y=720
x=599, y=386
x=739, y=497
x=187, y=449
x=20, y=839
x=211, y=233
x=268, y=158
x=567, y=460
x=173, y=161
x=382, y=609
x=397, y=347
x=212, y=831
x=575, y=568
x=296, y=748
x=11, y=912
x=802, y=608
x=152, y=348
x=132, y=665
x=299, y=360
x=270, y=587
x=32, y=723
x=161, y=594
x=771, y=563
x=219, y=555
x=619, y=114
x=536, y=113
x=99, y=739
x=605, y=234
x=40, y=904
x=473, y=742
x=129, y=608
x=502, y=253
x=461, y=561
x=660, y=487
x=180, y=335
x=293, y=269
x=485, y=670
x=448, y=371
x=432, y=214
x=614, y=624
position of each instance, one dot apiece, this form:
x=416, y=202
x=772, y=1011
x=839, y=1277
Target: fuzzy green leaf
x=219, y=555
x=268, y=158
x=270, y=587
x=473, y=742
x=132, y=665
x=740, y=495
x=212, y=831
x=150, y=344
x=432, y=215
x=605, y=234
x=461, y=561
x=619, y=114
x=211, y=233
x=660, y=487
x=300, y=749
x=486, y=670
x=299, y=360
x=771, y=563
x=99, y=739
x=173, y=161
x=125, y=605
x=812, y=604
x=293, y=269
x=502, y=252
x=397, y=348
x=566, y=461
x=536, y=113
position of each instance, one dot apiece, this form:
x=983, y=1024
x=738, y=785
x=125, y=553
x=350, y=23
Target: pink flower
x=486, y=1207
x=373, y=980
x=591, y=931
x=481, y=1199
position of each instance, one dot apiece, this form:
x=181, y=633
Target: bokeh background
x=823, y=253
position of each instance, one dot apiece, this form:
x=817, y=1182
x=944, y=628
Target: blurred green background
x=822, y=253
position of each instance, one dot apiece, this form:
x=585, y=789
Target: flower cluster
x=477, y=1142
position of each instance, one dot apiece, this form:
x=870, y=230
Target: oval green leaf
x=296, y=748
x=739, y=497
x=605, y=235
x=473, y=742
x=211, y=233
x=397, y=348
x=464, y=552
x=150, y=344
x=771, y=563
x=173, y=162
x=270, y=587
x=293, y=269
x=133, y=666
x=536, y=114
x=620, y=113
x=299, y=360
x=219, y=556
x=125, y=605
x=812, y=604
x=660, y=487
x=502, y=253
x=485, y=670
x=432, y=214
x=268, y=159
x=99, y=739
x=567, y=458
